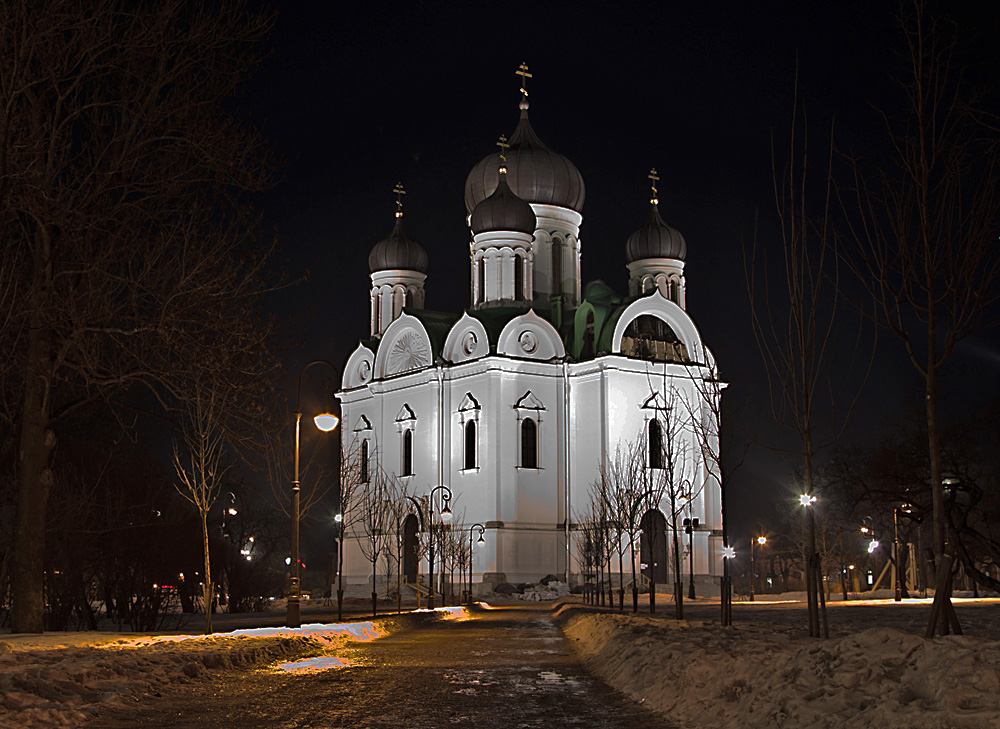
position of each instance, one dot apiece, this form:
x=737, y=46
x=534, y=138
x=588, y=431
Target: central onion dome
x=534, y=172
x=397, y=252
x=503, y=210
x=655, y=239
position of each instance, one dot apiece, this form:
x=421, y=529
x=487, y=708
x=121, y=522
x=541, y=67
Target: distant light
x=728, y=553
x=251, y=539
x=807, y=500
x=872, y=546
x=288, y=560
x=232, y=511
x=326, y=422
x=762, y=541
x=338, y=518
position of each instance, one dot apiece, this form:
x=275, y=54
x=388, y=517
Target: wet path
x=509, y=667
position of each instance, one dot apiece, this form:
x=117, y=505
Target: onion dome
x=655, y=239
x=534, y=172
x=503, y=210
x=398, y=251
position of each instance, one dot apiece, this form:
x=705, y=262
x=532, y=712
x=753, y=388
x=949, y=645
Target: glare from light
x=338, y=518
x=326, y=422
x=762, y=541
x=728, y=553
x=807, y=500
x=872, y=546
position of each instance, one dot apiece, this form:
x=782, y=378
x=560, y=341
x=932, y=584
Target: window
x=518, y=277
x=655, y=444
x=557, y=273
x=529, y=444
x=364, y=461
x=470, y=444
x=482, y=279
x=409, y=298
x=407, y=453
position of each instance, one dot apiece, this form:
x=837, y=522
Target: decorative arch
x=529, y=336
x=359, y=368
x=405, y=347
x=671, y=314
x=466, y=341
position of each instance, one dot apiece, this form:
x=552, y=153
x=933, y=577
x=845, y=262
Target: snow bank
x=61, y=686
x=700, y=675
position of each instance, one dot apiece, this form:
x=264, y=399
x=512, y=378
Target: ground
x=511, y=666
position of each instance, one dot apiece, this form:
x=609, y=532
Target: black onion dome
x=398, y=251
x=503, y=210
x=534, y=172
x=655, y=239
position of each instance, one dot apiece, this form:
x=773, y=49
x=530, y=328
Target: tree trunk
x=36, y=478
x=207, y=585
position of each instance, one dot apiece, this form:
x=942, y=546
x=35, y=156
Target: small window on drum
x=529, y=444
x=470, y=444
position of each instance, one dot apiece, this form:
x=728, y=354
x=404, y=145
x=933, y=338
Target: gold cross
x=398, y=189
x=502, y=144
x=522, y=71
x=652, y=176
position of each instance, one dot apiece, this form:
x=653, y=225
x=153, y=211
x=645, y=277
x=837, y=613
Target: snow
x=752, y=675
x=759, y=673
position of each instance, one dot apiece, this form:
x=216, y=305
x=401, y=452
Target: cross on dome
x=522, y=71
x=654, y=178
x=398, y=189
x=502, y=144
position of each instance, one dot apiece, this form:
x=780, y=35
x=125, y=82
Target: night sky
x=417, y=93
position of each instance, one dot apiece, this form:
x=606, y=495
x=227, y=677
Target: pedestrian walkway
x=505, y=667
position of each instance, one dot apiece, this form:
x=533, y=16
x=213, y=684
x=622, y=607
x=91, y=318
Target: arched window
x=557, y=273
x=364, y=461
x=529, y=444
x=482, y=279
x=518, y=277
x=470, y=444
x=655, y=444
x=407, y=453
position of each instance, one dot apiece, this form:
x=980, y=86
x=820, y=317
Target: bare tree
x=924, y=225
x=374, y=521
x=121, y=180
x=201, y=468
x=796, y=327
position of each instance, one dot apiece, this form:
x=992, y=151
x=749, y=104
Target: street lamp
x=482, y=530
x=428, y=526
x=325, y=422
x=761, y=541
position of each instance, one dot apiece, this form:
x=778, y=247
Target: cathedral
x=518, y=404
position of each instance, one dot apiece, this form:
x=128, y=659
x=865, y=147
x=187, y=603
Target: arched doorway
x=653, y=546
x=411, y=526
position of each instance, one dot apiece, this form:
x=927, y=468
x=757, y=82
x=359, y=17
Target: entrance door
x=653, y=546
x=411, y=526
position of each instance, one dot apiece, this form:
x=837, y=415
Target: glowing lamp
x=762, y=541
x=728, y=553
x=807, y=500
x=326, y=422
x=446, y=514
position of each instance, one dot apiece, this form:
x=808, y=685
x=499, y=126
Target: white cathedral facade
x=516, y=403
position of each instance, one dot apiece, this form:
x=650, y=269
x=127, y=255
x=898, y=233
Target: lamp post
x=428, y=526
x=690, y=524
x=325, y=422
x=482, y=530
x=761, y=541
